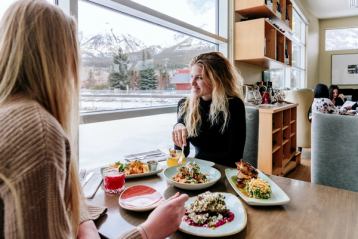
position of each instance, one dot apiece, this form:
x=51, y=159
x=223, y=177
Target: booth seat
x=334, y=151
x=252, y=135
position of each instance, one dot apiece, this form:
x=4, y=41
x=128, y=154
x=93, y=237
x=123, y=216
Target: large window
x=341, y=39
x=135, y=58
x=293, y=77
x=136, y=54
x=296, y=78
x=198, y=13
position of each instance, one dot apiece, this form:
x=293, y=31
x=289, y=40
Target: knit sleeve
x=132, y=234
x=180, y=120
x=237, y=128
x=34, y=159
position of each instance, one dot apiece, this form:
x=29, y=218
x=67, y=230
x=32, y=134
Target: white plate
x=278, y=196
x=201, y=162
x=212, y=174
x=139, y=175
x=230, y=228
x=140, y=198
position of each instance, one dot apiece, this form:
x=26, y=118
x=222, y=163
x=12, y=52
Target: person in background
x=321, y=101
x=40, y=194
x=335, y=96
x=212, y=118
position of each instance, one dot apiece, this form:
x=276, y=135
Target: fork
x=182, y=156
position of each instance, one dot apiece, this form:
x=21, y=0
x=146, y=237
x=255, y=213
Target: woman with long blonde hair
x=38, y=113
x=40, y=196
x=212, y=118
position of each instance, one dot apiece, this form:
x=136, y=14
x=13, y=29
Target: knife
x=87, y=177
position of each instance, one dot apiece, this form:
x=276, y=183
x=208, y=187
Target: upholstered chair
x=252, y=135
x=334, y=151
x=304, y=99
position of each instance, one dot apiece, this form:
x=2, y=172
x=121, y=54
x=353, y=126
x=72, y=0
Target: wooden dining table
x=314, y=211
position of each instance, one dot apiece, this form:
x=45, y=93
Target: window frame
x=302, y=43
x=144, y=13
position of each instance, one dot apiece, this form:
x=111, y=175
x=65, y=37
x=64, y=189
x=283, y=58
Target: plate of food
x=213, y=215
x=254, y=187
x=200, y=161
x=140, y=198
x=136, y=169
x=192, y=176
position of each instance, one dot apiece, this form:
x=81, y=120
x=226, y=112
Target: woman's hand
x=87, y=230
x=166, y=218
x=341, y=96
x=180, y=134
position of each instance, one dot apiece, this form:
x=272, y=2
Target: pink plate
x=140, y=198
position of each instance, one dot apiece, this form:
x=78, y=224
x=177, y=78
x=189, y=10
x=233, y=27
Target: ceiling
x=330, y=8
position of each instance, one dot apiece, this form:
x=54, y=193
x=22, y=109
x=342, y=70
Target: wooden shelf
x=254, y=11
x=275, y=148
x=286, y=160
x=285, y=141
x=276, y=130
x=277, y=141
x=258, y=8
x=292, y=121
x=264, y=62
x=290, y=166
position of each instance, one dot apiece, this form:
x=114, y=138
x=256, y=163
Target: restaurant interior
x=282, y=49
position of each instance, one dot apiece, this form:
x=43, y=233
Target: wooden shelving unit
x=277, y=152
x=257, y=40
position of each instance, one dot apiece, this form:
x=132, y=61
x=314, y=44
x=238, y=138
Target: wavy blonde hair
x=225, y=83
x=39, y=59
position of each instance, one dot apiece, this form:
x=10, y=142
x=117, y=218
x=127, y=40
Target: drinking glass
x=173, y=157
x=113, y=181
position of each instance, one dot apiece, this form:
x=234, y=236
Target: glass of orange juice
x=172, y=160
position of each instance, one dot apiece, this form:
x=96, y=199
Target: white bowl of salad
x=192, y=176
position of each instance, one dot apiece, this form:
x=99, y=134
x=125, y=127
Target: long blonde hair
x=39, y=59
x=225, y=83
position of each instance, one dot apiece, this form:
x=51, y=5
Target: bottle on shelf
x=278, y=12
x=287, y=57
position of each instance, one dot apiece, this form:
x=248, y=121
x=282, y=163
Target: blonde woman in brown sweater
x=39, y=85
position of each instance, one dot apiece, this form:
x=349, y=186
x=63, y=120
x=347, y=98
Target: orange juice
x=172, y=160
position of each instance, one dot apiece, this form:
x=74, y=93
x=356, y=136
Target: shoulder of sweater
x=29, y=120
x=236, y=102
x=181, y=101
x=27, y=129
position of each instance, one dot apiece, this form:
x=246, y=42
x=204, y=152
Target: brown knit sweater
x=34, y=157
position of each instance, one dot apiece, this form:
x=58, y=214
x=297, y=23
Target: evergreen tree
x=118, y=78
x=148, y=80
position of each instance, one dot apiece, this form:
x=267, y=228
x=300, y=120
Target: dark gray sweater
x=223, y=148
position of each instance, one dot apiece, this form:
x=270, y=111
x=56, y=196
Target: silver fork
x=182, y=156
